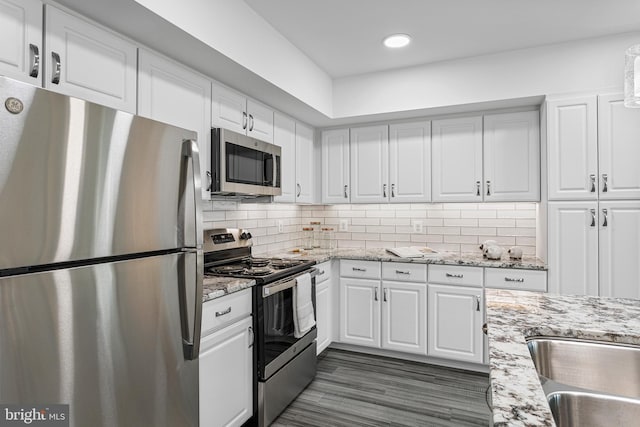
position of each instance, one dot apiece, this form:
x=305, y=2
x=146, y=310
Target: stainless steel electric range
x=284, y=364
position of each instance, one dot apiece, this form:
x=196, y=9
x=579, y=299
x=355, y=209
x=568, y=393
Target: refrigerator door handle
x=191, y=152
x=190, y=301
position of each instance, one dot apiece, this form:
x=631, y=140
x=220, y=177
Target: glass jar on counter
x=307, y=238
x=317, y=236
x=327, y=241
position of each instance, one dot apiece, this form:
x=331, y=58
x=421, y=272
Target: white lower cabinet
x=360, y=311
x=404, y=317
x=324, y=312
x=455, y=323
x=226, y=364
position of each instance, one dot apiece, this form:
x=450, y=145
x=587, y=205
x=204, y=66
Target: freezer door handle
x=190, y=152
x=190, y=301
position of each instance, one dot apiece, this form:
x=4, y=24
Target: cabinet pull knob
x=604, y=214
x=488, y=188
x=250, y=122
x=222, y=313
x=592, y=177
x=375, y=294
x=455, y=276
x=477, y=188
x=253, y=337
x=511, y=279
x=244, y=120
x=384, y=294
x=35, y=60
x=384, y=190
x=57, y=67
x=346, y=196
x=477, y=303
x=299, y=190
x=393, y=190
x=359, y=269
x=593, y=217
x=402, y=272
x=604, y=183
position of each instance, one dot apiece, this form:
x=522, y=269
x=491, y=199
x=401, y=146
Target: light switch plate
x=280, y=226
x=417, y=226
x=344, y=225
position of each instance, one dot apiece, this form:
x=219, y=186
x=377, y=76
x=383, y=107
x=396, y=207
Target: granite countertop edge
x=513, y=316
x=218, y=287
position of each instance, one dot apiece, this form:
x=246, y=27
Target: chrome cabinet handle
x=511, y=279
x=593, y=217
x=375, y=294
x=250, y=122
x=359, y=269
x=485, y=330
x=209, y=180
x=35, y=60
x=477, y=303
x=244, y=120
x=604, y=183
x=477, y=188
x=253, y=336
x=488, y=188
x=55, y=78
x=299, y=190
x=455, y=276
x=402, y=272
x=604, y=214
x=320, y=273
x=393, y=190
x=384, y=295
x=592, y=177
x=345, y=192
x=384, y=190
x=222, y=313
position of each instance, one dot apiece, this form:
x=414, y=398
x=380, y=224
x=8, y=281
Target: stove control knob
x=245, y=236
x=249, y=235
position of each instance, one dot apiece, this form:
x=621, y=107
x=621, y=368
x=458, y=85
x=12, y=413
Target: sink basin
x=595, y=366
x=593, y=410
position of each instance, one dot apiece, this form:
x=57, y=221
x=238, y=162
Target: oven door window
x=248, y=166
x=278, y=329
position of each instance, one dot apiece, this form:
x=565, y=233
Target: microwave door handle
x=274, y=178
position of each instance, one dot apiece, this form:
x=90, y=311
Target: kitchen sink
x=595, y=366
x=593, y=410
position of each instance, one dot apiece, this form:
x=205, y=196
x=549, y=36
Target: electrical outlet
x=417, y=226
x=280, y=226
x=344, y=225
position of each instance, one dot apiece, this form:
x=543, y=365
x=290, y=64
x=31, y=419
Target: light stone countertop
x=517, y=396
x=216, y=287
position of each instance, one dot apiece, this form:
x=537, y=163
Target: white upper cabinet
x=410, y=162
x=457, y=160
x=512, y=156
x=173, y=94
x=572, y=147
x=618, y=148
x=89, y=62
x=369, y=156
x=304, y=164
x=234, y=111
x=21, y=35
x=284, y=135
x=335, y=166
x=619, y=240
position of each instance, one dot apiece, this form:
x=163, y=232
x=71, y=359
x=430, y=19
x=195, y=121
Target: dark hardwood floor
x=353, y=389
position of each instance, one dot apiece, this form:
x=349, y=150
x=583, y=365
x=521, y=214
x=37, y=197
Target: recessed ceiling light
x=397, y=40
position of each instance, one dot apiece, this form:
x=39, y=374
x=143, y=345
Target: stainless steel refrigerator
x=100, y=261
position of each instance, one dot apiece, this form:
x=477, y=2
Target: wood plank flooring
x=353, y=389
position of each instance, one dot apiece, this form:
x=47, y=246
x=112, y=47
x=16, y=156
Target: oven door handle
x=281, y=285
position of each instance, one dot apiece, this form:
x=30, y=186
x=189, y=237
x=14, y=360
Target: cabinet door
x=512, y=156
x=260, y=121
x=173, y=94
x=573, y=248
x=360, y=312
x=284, y=135
x=457, y=160
x=335, y=166
x=88, y=62
x=226, y=376
x=228, y=109
x=618, y=148
x=455, y=323
x=323, y=315
x=369, y=158
x=21, y=35
x=410, y=162
x=304, y=164
x=620, y=249
x=404, y=317
x=572, y=147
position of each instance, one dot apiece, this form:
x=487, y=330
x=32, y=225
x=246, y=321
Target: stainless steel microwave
x=241, y=165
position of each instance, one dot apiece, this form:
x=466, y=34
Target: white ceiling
x=344, y=36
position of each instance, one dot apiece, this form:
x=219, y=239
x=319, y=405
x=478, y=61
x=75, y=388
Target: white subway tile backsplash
x=503, y=222
x=478, y=214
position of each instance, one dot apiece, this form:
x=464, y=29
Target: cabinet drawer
x=324, y=272
x=509, y=278
x=359, y=269
x=224, y=310
x=454, y=275
x=404, y=272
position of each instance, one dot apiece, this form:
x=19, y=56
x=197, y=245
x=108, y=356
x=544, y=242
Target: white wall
x=567, y=67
